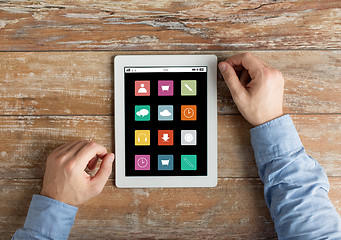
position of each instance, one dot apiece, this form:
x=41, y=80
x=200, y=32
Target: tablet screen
x=165, y=121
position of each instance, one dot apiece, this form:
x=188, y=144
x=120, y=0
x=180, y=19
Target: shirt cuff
x=50, y=217
x=274, y=138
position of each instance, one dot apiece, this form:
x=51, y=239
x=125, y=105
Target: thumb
x=103, y=173
x=232, y=80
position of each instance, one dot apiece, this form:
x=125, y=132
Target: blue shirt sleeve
x=295, y=185
x=47, y=219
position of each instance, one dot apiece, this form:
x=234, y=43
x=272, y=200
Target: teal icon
x=188, y=162
x=165, y=162
x=188, y=87
x=142, y=113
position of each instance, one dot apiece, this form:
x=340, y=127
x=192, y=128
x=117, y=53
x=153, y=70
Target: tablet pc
x=165, y=121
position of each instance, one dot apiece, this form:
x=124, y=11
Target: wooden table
x=56, y=86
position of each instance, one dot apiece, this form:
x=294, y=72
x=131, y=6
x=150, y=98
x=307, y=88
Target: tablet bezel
x=122, y=61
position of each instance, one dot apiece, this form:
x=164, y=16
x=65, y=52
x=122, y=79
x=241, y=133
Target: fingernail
x=222, y=67
x=111, y=158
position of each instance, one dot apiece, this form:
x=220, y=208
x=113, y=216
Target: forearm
x=295, y=185
x=47, y=219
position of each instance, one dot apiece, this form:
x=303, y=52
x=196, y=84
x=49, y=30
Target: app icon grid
x=166, y=137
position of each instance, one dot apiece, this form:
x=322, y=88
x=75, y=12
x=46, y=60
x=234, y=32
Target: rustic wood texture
x=235, y=209
x=26, y=141
x=169, y=25
x=65, y=83
x=44, y=102
x=56, y=86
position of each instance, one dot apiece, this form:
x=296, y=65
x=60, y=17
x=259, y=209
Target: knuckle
x=279, y=74
x=62, y=157
x=70, y=167
x=92, y=144
x=276, y=72
x=54, y=152
x=267, y=74
x=58, y=159
x=247, y=55
x=51, y=156
x=85, y=141
x=271, y=74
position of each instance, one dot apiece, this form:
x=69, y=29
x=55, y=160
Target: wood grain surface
x=81, y=83
x=57, y=86
x=169, y=25
x=235, y=209
x=26, y=141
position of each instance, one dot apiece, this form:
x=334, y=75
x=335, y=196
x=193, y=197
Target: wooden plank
x=235, y=209
x=82, y=83
x=169, y=25
x=26, y=141
x=56, y=83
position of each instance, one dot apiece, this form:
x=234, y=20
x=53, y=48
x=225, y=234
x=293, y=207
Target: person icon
x=142, y=89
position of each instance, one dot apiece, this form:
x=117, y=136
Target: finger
x=73, y=150
x=93, y=162
x=70, y=149
x=103, y=172
x=73, y=144
x=62, y=147
x=232, y=80
x=88, y=151
x=244, y=78
x=247, y=61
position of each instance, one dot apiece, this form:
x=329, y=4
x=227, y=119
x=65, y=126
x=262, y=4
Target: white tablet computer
x=166, y=121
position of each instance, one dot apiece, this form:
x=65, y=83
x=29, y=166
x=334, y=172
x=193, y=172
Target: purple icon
x=142, y=162
x=165, y=88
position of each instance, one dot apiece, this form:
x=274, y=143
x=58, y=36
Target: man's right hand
x=256, y=88
x=65, y=179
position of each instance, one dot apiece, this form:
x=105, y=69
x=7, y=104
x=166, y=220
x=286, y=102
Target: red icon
x=165, y=137
x=142, y=88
